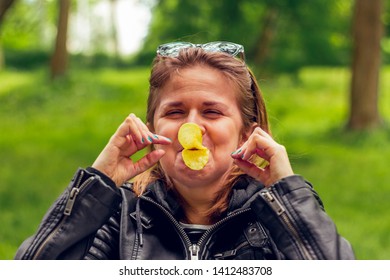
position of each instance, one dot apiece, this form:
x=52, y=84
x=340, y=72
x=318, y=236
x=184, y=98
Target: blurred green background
x=54, y=119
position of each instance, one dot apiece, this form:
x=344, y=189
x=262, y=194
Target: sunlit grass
x=11, y=80
x=49, y=129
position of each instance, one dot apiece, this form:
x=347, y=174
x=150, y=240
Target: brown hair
x=250, y=99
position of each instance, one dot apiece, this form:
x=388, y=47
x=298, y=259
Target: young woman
x=159, y=208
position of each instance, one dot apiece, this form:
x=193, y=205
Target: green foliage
x=26, y=59
x=48, y=130
x=310, y=36
x=33, y=59
x=304, y=32
x=30, y=24
x=199, y=22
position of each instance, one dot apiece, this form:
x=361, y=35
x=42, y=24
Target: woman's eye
x=212, y=112
x=174, y=112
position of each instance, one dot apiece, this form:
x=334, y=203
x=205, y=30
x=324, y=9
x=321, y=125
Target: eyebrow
x=180, y=103
x=213, y=103
x=171, y=104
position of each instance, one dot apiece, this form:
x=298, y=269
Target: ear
x=246, y=133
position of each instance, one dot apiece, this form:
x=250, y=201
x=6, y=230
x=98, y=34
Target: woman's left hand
x=263, y=145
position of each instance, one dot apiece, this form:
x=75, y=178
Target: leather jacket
x=93, y=219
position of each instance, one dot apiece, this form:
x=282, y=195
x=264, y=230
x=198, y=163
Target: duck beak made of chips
x=194, y=154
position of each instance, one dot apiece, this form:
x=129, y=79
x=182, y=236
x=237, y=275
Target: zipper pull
x=194, y=250
x=273, y=202
x=69, y=204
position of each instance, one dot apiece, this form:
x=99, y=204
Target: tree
x=280, y=36
x=366, y=60
x=59, y=61
x=266, y=34
x=5, y=5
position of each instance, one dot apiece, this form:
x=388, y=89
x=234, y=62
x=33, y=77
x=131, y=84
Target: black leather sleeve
x=69, y=227
x=105, y=244
x=294, y=215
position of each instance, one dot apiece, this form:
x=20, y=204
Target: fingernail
x=143, y=140
x=155, y=136
x=150, y=139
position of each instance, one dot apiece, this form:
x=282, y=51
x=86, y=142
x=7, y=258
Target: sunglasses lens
x=225, y=47
x=173, y=49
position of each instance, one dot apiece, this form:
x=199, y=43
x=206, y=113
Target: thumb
x=252, y=170
x=148, y=161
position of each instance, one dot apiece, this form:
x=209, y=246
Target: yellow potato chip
x=194, y=154
x=190, y=136
x=195, y=159
x=258, y=161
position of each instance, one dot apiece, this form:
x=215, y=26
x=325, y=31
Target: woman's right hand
x=131, y=136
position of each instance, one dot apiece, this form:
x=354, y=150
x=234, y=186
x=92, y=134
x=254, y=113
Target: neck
x=198, y=199
x=195, y=202
x=197, y=216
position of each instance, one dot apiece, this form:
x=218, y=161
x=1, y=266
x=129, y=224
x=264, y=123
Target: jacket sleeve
x=70, y=225
x=295, y=218
x=105, y=245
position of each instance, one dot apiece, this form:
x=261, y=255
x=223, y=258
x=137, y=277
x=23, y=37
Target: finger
x=256, y=144
x=128, y=127
x=256, y=133
x=148, y=161
x=252, y=170
x=262, y=132
x=147, y=136
x=143, y=131
x=159, y=139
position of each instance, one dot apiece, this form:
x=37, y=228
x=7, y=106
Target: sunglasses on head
x=173, y=49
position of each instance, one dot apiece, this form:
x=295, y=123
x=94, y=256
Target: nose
x=195, y=117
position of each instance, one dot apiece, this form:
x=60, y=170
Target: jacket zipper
x=66, y=212
x=183, y=234
x=194, y=249
x=275, y=204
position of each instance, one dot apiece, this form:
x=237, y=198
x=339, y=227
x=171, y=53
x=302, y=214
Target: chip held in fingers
x=194, y=154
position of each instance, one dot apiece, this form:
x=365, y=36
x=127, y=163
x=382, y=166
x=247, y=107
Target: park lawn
x=49, y=129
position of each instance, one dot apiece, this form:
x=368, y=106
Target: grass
x=48, y=130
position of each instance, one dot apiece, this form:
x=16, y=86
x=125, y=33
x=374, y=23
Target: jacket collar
x=243, y=191
x=245, y=188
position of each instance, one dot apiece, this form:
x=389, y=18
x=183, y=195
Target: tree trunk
x=59, y=61
x=266, y=35
x=367, y=33
x=5, y=5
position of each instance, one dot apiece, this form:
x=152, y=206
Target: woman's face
x=204, y=96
